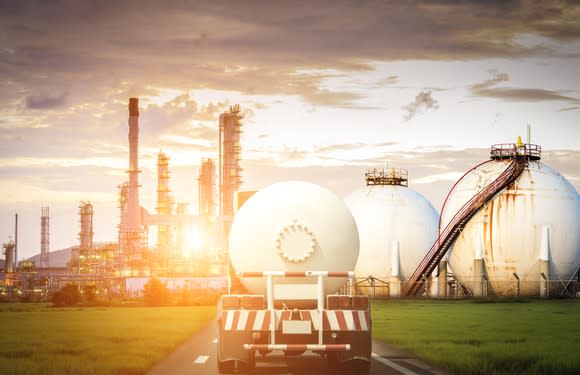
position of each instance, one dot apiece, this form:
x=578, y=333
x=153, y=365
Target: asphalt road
x=198, y=356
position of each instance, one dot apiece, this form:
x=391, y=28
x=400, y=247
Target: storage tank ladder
x=448, y=236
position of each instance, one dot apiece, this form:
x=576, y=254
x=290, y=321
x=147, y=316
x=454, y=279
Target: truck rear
x=294, y=320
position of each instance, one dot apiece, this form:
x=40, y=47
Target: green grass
x=485, y=337
x=39, y=339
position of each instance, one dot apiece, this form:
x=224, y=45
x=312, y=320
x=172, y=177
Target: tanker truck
x=294, y=245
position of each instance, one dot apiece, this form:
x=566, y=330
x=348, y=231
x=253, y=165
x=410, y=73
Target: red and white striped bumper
x=259, y=320
x=299, y=347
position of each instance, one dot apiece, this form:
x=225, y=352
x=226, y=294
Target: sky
x=328, y=89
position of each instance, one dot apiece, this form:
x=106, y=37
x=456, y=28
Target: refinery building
x=126, y=265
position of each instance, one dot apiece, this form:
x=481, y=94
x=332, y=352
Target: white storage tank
x=396, y=225
x=528, y=235
x=293, y=226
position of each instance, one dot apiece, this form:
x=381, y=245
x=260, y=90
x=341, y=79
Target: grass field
x=485, y=337
x=38, y=339
x=462, y=337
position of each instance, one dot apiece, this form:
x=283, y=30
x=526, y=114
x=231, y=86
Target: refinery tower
x=131, y=233
x=229, y=166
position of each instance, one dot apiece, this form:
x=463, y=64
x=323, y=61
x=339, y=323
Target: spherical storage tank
x=534, y=220
x=293, y=226
x=391, y=217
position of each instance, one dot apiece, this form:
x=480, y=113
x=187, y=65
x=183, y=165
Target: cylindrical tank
x=8, y=251
x=536, y=219
x=387, y=211
x=293, y=226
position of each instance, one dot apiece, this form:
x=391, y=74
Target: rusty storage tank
x=396, y=227
x=526, y=239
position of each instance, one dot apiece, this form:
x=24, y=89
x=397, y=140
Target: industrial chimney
x=133, y=211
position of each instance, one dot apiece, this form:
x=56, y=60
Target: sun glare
x=194, y=241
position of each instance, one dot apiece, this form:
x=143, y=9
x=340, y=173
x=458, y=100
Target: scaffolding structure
x=44, y=237
x=387, y=176
x=86, y=220
x=230, y=130
x=164, y=203
x=206, y=183
x=84, y=258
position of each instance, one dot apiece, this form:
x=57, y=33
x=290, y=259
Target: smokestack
x=134, y=107
x=133, y=214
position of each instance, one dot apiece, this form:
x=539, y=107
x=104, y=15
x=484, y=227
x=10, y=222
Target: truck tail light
x=339, y=302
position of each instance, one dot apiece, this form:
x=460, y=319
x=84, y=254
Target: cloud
x=573, y=108
x=489, y=89
x=423, y=102
x=259, y=45
x=46, y=101
x=449, y=176
x=352, y=146
x=341, y=154
x=390, y=80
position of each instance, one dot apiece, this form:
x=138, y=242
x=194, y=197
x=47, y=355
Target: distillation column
x=230, y=171
x=207, y=192
x=164, y=202
x=44, y=237
x=86, y=219
x=85, y=255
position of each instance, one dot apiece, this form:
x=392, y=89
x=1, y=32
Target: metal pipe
x=350, y=286
x=320, y=308
x=16, y=240
x=528, y=134
x=270, y=302
x=545, y=262
x=442, y=279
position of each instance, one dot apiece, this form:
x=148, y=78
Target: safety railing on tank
x=459, y=220
x=509, y=150
x=387, y=176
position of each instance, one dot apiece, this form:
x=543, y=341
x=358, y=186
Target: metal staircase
x=520, y=155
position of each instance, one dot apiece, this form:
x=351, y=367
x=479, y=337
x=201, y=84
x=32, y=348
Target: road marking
x=214, y=341
x=202, y=359
x=392, y=364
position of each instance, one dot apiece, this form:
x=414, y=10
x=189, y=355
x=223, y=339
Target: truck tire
x=234, y=365
x=226, y=367
x=229, y=367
